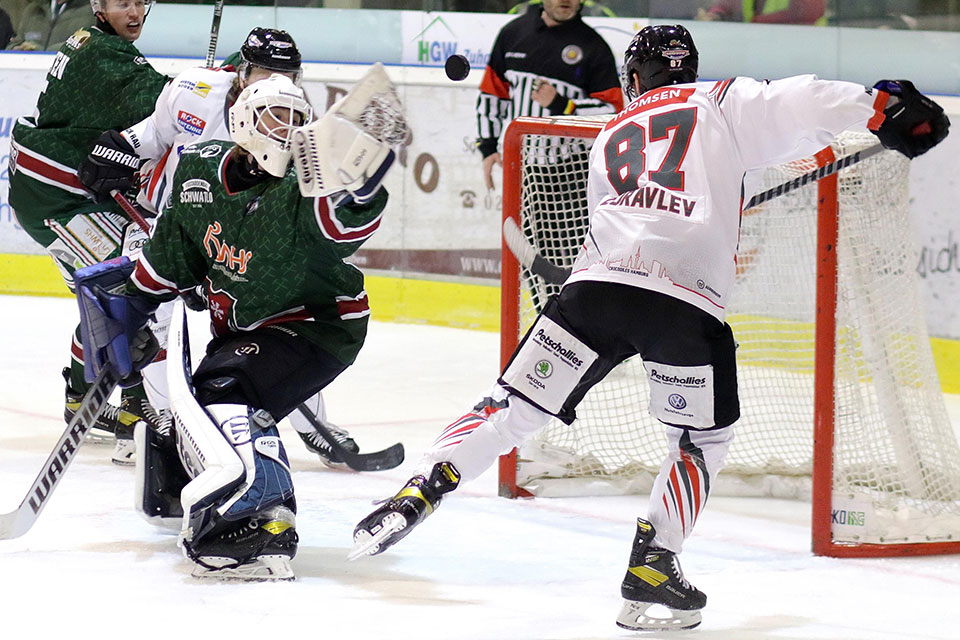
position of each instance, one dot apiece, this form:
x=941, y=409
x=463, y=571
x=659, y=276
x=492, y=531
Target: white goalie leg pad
x=548, y=365
x=682, y=486
x=499, y=422
x=211, y=462
x=348, y=149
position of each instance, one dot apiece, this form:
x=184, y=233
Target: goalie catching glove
x=349, y=148
x=111, y=165
x=914, y=123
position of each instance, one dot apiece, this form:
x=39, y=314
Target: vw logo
x=677, y=401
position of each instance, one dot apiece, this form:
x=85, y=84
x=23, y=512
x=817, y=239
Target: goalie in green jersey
x=267, y=243
x=98, y=80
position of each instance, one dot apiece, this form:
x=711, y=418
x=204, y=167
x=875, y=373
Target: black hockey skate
x=108, y=422
x=124, y=453
x=388, y=524
x=257, y=549
x=654, y=580
x=316, y=444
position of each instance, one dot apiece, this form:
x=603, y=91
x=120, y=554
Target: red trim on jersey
x=301, y=315
x=76, y=349
x=157, y=174
x=145, y=280
x=494, y=84
x=348, y=307
x=40, y=166
x=879, y=104
x=651, y=100
x=334, y=229
x=613, y=95
x=718, y=306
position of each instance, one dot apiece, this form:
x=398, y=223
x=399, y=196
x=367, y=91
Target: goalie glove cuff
x=913, y=124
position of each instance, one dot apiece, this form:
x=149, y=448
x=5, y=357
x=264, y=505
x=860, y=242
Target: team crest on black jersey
x=196, y=192
x=572, y=54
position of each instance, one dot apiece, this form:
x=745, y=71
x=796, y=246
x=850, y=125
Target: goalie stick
x=19, y=521
x=388, y=458
x=526, y=254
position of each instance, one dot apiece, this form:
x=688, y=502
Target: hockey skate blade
x=263, y=569
x=368, y=544
x=651, y=616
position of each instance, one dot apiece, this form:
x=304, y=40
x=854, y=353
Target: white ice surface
x=482, y=568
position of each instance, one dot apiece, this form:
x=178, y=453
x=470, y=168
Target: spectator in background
x=44, y=25
x=588, y=7
x=546, y=62
x=767, y=11
x=6, y=29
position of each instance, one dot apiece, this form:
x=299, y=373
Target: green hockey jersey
x=97, y=82
x=264, y=256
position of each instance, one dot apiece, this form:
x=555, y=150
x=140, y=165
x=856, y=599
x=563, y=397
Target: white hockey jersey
x=664, y=189
x=193, y=108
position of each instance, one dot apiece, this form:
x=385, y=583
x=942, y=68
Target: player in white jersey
x=194, y=108
x=652, y=278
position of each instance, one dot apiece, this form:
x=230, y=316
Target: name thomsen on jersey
x=650, y=100
x=557, y=346
x=654, y=197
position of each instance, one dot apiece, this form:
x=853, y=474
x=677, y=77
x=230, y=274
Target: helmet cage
x=264, y=119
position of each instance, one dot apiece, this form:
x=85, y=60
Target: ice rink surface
x=482, y=567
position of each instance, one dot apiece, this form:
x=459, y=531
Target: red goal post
x=848, y=413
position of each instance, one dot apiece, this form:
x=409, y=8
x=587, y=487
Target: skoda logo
x=543, y=369
x=677, y=401
x=700, y=284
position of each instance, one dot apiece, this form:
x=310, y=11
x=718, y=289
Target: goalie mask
x=659, y=55
x=264, y=118
x=273, y=50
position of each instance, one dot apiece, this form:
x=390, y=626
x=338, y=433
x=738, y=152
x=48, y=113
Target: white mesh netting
x=896, y=459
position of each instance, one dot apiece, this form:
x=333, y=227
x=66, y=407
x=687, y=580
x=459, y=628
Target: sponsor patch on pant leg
x=681, y=395
x=548, y=365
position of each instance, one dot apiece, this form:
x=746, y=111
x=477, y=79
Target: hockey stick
x=214, y=33
x=813, y=176
x=18, y=522
x=527, y=255
x=131, y=211
x=388, y=458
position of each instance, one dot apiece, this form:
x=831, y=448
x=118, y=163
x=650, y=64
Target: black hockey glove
x=111, y=164
x=914, y=123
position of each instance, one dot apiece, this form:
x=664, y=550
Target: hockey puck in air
x=457, y=67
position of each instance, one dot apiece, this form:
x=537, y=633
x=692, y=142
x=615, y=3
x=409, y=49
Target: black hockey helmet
x=659, y=55
x=273, y=50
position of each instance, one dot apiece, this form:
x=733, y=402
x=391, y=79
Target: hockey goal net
x=839, y=395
